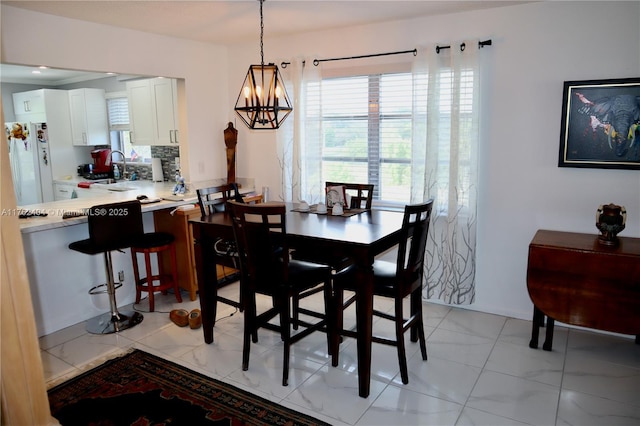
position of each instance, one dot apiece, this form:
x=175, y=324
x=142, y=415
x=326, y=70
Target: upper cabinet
x=89, y=122
x=153, y=116
x=31, y=102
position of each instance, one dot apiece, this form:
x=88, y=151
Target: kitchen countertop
x=153, y=190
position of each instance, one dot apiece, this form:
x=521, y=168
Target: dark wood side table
x=576, y=280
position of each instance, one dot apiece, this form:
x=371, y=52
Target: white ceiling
x=225, y=22
x=230, y=21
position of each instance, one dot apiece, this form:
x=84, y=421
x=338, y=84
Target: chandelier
x=263, y=102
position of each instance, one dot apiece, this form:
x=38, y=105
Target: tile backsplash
x=167, y=155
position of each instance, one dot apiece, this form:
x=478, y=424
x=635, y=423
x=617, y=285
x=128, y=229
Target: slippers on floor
x=179, y=317
x=195, y=319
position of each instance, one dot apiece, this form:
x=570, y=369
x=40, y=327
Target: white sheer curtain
x=443, y=158
x=445, y=153
x=300, y=138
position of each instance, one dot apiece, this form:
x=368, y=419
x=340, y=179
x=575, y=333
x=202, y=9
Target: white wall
x=535, y=48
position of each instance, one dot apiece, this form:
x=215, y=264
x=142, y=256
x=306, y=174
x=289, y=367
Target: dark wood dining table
x=361, y=236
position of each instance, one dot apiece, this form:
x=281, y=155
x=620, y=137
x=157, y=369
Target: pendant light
x=263, y=102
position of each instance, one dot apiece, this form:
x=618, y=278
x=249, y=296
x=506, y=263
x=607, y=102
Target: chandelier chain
x=261, y=35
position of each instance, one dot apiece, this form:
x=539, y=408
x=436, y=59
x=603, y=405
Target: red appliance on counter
x=101, y=167
x=101, y=160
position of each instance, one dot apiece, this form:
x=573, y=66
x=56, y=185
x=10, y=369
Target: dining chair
x=261, y=238
x=361, y=194
x=361, y=198
x=395, y=280
x=214, y=200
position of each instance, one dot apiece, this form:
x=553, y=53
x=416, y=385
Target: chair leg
x=250, y=329
x=295, y=306
x=136, y=275
x=330, y=306
x=338, y=299
x=149, y=279
x=285, y=332
x=174, y=272
x=419, y=322
x=402, y=356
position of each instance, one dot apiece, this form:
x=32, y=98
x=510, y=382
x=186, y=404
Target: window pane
x=395, y=182
x=345, y=96
x=345, y=138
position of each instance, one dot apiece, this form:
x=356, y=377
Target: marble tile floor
x=480, y=370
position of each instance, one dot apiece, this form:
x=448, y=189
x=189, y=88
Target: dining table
x=360, y=236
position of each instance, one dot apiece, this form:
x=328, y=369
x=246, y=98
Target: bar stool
x=111, y=227
x=155, y=242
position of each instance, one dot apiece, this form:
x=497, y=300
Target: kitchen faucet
x=124, y=162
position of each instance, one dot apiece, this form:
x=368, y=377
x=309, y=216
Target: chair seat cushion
x=304, y=275
x=88, y=246
x=335, y=261
x=384, y=276
x=152, y=239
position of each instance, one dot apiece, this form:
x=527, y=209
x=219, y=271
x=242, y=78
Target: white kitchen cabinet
x=64, y=157
x=153, y=116
x=89, y=122
x=31, y=102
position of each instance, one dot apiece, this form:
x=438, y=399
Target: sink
x=112, y=185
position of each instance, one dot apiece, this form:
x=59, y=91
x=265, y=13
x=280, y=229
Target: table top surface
x=362, y=229
x=584, y=242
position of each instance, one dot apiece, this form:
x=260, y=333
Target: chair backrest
x=412, y=246
x=214, y=198
x=260, y=232
x=116, y=225
x=361, y=194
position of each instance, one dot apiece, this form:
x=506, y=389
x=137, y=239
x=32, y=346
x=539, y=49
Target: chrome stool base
x=108, y=323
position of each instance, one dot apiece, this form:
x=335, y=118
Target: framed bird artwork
x=601, y=124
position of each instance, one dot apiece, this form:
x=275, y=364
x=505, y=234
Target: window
x=366, y=128
x=118, y=112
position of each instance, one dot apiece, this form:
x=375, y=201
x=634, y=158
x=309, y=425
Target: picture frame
x=601, y=124
x=336, y=195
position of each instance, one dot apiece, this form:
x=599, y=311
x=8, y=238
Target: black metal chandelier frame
x=263, y=102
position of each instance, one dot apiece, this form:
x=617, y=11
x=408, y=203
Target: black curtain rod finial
x=463, y=46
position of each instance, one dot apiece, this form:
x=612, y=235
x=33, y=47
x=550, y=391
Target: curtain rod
x=481, y=44
x=316, y=62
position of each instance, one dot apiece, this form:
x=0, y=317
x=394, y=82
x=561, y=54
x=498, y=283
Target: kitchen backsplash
x=167, y=156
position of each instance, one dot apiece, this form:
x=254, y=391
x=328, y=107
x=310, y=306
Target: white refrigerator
x=30, y=162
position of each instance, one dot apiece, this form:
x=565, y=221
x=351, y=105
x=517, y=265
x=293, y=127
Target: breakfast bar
x=60, y=278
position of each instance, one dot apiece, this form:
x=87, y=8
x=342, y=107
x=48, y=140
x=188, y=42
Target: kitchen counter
x=113, y=193
x=60, y=278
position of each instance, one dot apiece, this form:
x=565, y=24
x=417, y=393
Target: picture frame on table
x=336, y=195
x=601, y=124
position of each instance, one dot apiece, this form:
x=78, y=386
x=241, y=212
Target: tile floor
x=480, y=369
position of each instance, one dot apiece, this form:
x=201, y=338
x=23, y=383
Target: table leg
x=364, y=321
x=548, y=341
x=538, y=319
x=206, y=270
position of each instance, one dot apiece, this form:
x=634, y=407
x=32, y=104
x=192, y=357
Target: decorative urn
x=610, y=220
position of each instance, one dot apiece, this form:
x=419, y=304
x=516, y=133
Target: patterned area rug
x=142, y=389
